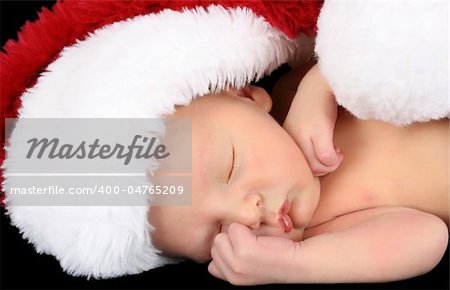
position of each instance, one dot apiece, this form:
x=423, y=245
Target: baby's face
x=245, y=169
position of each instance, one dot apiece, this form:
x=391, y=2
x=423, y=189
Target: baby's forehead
x=201, y=104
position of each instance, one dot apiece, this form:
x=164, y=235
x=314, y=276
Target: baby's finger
x=223, y=269
x=325, y=151
x=214, y=266
x=240, y=235
x=317, y=168
x=222, y=247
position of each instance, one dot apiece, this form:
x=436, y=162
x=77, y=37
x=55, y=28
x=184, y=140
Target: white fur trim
x=386, y=60
x=141, y=67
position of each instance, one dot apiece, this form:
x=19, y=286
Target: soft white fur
x=386, y=60
x=141, y=67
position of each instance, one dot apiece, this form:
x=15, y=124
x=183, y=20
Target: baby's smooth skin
x=381, y=216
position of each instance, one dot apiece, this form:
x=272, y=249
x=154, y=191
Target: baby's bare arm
x=374, y=245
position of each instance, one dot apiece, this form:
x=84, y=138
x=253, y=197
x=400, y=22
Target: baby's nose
x=253, y=199
x=250, y=211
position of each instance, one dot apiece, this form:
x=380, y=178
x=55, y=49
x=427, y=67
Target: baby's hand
x=311, y=120
x=242, y=258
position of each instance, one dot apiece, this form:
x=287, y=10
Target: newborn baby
x=262, y=217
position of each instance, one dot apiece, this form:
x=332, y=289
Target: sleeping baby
x=261, y=216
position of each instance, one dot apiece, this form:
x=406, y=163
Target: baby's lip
x=284, y=220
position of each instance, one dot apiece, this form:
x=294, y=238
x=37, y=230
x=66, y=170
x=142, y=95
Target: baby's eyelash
x=233, y=166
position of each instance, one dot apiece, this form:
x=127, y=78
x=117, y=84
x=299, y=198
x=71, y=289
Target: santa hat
x=98, y=52
x=391, y=63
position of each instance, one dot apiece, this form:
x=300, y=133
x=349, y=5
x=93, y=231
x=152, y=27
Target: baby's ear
x=259, y=96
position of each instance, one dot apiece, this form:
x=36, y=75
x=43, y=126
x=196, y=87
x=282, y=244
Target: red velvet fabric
x=40, y=42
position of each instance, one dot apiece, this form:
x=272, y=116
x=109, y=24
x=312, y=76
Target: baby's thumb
x=240, y=234
x=325, y=151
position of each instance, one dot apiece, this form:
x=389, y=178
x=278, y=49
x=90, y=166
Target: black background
x=23, y=268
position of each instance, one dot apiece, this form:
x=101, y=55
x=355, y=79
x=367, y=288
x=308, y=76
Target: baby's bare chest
x=387, y=166
x=385, y=177
x=350, y=192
